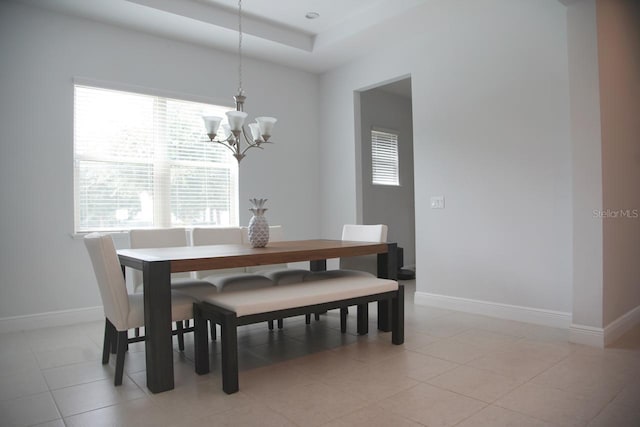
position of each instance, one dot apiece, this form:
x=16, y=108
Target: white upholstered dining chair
x=227, y=278
x=365, y=265
x=161, y=238
x=122, y=311
x=164, y=238
x=360, y=265
x=222, y=280
x=281, y=274
x=363, y=233
x=218, y=236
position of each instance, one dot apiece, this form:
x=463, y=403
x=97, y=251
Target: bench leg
x=344, y=312
x=213, y=330
x=229, y=353
x=307, y=319
x=384, y=311
x=363, y=319
x=180, y=334
x=201, y=341
x=270, y=323
x=280, y=323
x=397, y=317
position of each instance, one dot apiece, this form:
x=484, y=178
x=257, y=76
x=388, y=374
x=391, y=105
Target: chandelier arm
x=246, y=138
x=252, y=146
x=225, y=144
x=249, y=143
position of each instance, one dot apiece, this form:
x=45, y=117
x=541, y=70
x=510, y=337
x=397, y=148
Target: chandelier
x=234, y=132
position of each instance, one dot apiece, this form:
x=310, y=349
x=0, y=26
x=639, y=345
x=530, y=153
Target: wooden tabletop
x=194, y=258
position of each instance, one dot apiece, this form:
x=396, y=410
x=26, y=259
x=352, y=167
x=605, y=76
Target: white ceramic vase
x=258, y=225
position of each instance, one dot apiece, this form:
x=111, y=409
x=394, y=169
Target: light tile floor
x=455, y=369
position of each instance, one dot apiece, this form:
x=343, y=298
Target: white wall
x=586, y=163
x=383, y=204
x=604, y=58
x=42, y=267
x=491, y=134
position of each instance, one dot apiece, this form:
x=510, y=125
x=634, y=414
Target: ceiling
x=274, y=30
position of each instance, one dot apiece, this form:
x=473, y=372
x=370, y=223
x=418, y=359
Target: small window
x=384, y=158
x=145, y=161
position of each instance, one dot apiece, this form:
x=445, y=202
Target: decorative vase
x=258, y=226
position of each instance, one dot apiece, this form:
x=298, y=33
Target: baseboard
x=556, y=319
x=622, y=324
x=602, y=337
x=586, y=335
x=50, y=319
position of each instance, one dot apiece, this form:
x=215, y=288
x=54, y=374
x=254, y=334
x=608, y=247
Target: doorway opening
x=384, y=164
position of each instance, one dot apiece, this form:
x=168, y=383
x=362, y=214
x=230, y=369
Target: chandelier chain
x=240, y=91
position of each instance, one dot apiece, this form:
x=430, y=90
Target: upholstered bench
x=236, y=308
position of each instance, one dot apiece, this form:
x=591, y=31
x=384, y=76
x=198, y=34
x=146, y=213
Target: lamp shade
x=266, y=125
x=212, y=123
x=255, y=132
x=226, y=132
x=236, y=119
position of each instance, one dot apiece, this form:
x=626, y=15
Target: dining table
x=157, y=264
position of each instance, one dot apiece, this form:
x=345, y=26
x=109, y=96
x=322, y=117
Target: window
x=145, y=161
x=384, y=158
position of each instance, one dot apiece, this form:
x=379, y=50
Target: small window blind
x=145, y=161
x=384, y=158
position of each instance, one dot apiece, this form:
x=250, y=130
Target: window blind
x=384, y=158
x=145, y=161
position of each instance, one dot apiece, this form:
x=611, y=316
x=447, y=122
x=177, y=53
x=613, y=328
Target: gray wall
x=42, y=267
x=586, y=164
x=619, y=65
x=604, y=58
x=382, y=204
x=491, y=133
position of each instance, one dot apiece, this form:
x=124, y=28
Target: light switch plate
x=437, y=202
